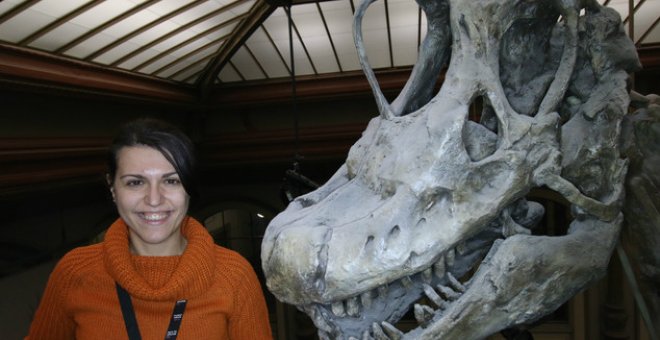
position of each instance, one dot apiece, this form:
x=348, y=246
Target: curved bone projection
x=427, y=197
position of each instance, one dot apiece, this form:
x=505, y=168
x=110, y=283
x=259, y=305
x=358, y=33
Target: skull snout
x=296, y=262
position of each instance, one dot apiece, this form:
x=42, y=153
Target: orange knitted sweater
x=225, y=299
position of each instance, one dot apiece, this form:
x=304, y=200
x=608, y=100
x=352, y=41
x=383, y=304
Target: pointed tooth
x=379, y=334
x=338, y=308
x=423, y=313
x=353, y=306
x=406, y=281
x=434, y=297
x=439, y=268
x=382, y=291
x=392, y=331
x=427, y=275
x=352, y=338
x=320, y=322
x=323, y=335
x=461, y=248
x=449, y=293
x=367, y=298
x=449, y=257
x=455, y=284
x=366, y=336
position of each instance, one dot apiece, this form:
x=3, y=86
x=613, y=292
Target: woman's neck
x=174, y=248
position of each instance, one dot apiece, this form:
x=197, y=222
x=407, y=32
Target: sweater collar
x=193, y=273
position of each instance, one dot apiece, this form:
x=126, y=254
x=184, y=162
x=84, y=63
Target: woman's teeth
x=154, y=217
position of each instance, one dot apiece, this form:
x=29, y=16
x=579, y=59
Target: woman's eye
x=133, y=183
x=173, y=181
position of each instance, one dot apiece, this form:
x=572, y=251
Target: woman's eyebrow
x=139, y=176
x=131, y=175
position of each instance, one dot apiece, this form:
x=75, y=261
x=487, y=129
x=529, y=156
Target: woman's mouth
x=154, y=217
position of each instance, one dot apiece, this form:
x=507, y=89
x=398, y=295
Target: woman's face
x=151, y=200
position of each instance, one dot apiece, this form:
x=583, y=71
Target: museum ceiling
x=199, y=45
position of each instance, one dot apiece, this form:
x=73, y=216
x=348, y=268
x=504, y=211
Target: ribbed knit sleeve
x=53, y=319
x=250, y=318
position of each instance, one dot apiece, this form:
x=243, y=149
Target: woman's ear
x=110, y=186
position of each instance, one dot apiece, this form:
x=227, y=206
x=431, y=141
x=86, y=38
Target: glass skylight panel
x=89, y=46
x=194, y=13
x=130, y=24
x=309, y=22
x=404, y=21
x=192, y=46
x=228, y=75
x=146, y=37
x=158, y=64
x=192, y=71
x=179, y=50
x=654, y=36
x=182, y=43
x=155, y=32
x=116, y=53
x=374, y=34
x=302, y=65
x=103, y=12
x=267, y=55
x=185, y=51
x=278, y=28
x=277, y=25
x=246, y=65
x=7, y=5
x=242, y=8
x=406, y=51
x=165, y=7
x=644, y=18
x=315, y=37
x=339, y=18
x=59, y=37
x=148, y=52
x=57, y=8
x=82, y=24
x=22, y=25
x=322, y=54
x=191, y=59
x=138, y=59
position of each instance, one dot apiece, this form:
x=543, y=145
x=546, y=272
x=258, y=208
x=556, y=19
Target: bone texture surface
x=429, y=212
x=641, y=233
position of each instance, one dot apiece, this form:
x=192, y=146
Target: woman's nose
x=154, y=195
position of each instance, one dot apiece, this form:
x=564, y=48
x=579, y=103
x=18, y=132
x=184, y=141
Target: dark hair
x=175, y=146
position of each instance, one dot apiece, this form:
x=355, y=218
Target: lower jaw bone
x=512, y=288
x=509, y=288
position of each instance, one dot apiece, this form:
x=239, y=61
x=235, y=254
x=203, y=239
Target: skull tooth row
x=351, y=306
x=423, y=313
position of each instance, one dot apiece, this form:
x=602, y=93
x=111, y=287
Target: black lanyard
x=131, y=323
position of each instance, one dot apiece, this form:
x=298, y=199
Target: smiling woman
x=156, y=265
x=151, y=200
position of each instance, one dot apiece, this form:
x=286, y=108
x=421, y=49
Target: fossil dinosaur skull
x=427, y=196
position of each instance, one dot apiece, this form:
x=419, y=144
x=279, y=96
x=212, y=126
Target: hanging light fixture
x=295, y=183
